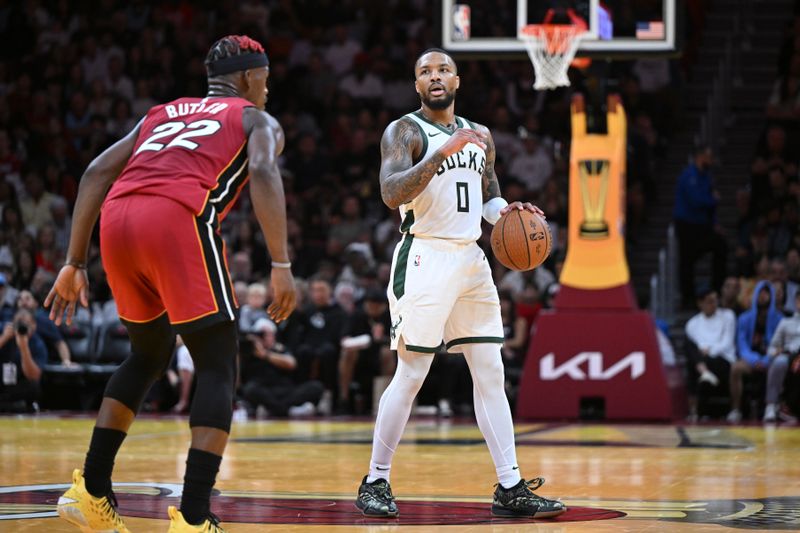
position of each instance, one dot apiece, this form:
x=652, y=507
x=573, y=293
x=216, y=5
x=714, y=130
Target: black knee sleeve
x=152, y=344
x=213, y=351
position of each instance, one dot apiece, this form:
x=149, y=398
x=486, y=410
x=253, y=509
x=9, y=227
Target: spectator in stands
x=267, y=375
x=784, y=102
x=344, y=295
x=241, y=267
x=729, y=295
x=22, y=356
x=62, y=222
x=348, y=227
x=246, y=240
x=255, y=307
x=506, y=140
x=362, y=84
x=365, y=344
x=774, y=153
x=784, y=346
x=533, y=166
x=695, y=209
x=515, y=331
x=792, y=265
x=48, y=256
x=36, y=207
x=339, y=55
x=710, y=349
x=754, y=331
x=320, y=336
x=6, y=307
x=45, y=328
x=778, y=273
x=26, y=268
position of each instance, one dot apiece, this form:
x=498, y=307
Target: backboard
x=617, y=28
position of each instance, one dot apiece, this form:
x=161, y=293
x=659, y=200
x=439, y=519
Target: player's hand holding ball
x=521, y=239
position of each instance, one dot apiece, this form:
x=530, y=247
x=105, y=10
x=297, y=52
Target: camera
x=22, y=328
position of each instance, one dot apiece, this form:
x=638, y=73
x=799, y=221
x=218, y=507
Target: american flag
x=650, y=30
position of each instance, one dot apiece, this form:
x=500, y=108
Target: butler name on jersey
x=450, y=207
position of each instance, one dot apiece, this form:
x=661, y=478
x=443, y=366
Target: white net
x=552, y=48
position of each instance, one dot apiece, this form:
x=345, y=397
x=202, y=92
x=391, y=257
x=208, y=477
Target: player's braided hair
x=231, y=46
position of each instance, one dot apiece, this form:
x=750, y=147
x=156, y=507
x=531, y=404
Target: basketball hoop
x=552, y=48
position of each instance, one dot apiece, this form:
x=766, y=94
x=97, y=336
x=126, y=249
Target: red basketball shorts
x=160, y=257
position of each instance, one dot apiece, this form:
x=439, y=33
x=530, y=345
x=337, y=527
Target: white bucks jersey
x=451, y=205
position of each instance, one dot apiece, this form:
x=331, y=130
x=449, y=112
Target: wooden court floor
x=302, y=475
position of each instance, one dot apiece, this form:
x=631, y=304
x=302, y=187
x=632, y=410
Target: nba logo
x=416, y=260
x=461, y=20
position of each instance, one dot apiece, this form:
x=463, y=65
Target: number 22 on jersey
x=199, y=128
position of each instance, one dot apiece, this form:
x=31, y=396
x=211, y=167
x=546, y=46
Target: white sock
x=394, y=410
x=492, y=409
x=377, y=471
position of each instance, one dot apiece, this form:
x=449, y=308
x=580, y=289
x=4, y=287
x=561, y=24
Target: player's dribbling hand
x=460, y=138
x=71, y=286
x=520, y=206
x=285, y=297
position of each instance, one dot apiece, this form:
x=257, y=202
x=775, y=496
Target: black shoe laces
x=382, y=491
x=533, y=484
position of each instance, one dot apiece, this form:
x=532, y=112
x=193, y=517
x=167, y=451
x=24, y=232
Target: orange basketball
x=521, y=240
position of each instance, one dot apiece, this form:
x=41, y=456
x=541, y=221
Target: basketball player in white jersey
x=438, y=168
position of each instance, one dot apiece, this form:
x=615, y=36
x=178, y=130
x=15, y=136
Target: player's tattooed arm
x=401, y=179
x=489, y=183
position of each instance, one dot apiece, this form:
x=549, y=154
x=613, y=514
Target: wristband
x=491, y=210
x=276, y=264
x=75, y=264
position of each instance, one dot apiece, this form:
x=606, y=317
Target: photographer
x=46, y=329
x=267, y=375
x=22, y=355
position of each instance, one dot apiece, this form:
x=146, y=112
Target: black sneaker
x=520, y=502
x=376, y=499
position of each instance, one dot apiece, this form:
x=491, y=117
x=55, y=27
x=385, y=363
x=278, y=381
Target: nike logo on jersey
x=434, y=134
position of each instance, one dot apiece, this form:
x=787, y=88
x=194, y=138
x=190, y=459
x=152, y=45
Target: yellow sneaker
x=89, y=514
x=177, y=524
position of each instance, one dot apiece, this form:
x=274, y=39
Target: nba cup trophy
x=595, y=355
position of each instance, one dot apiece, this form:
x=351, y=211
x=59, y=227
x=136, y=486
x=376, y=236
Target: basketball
x=521, y=240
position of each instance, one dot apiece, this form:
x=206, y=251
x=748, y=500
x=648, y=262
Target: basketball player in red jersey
x=172, y=180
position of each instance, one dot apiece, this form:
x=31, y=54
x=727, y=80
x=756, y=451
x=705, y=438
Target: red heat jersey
x=191, y=150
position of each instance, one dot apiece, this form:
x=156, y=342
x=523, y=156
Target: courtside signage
x=590, y=366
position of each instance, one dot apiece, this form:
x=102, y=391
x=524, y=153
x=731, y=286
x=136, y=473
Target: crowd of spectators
x=76, y=76
x=746, y=338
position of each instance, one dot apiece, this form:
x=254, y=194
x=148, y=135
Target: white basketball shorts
x=442, y=291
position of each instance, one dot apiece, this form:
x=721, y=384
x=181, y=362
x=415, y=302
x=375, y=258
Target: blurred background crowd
x=76, y=76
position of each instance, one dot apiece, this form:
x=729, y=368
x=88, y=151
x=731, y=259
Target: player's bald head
x=429, y=56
